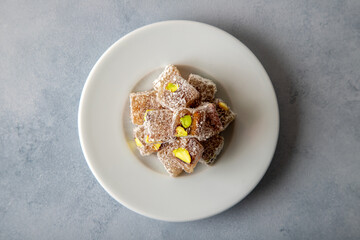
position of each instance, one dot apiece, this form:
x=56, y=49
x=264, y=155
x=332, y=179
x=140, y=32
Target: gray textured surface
x=311, y=50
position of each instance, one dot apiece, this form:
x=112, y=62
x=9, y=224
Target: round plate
x=140, y=183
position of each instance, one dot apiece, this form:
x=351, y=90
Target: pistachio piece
x=156, y=146
x=180, y=132
x=138, y=143
x=146, y=113
x=223, y=106
x=186, y=121
x=172, y=87
x=182, y=154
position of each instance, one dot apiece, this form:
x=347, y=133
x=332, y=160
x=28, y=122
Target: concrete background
x=311, y=50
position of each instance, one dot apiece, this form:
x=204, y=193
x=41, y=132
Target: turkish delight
x=141, y=102
x=225, y=114
x=182, y=153
x=176, y=93
x=158, y=125
x=142, y=142
x=180, y=120
x=204, y=86
x=212, y=148
x=169, y=72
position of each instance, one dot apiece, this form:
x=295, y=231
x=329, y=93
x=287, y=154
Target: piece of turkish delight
x=225, y=114
x=170, y=166
x=183, y=153
x=213, y=123
x=176, y=93
x=165, y=76
x=142, y=142
x=212, y=148
x=204, y=86
x=140, y=102
x=158, y=125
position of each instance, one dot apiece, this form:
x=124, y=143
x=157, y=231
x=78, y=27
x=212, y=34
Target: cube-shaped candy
x=158, y=125
x=140, y=103
x=225, y=114
x=204, y=86
x=165, y=76
x=143, y=144
x=183, y=153
x=172, y=167
x=201, y=122
x=177, y=92
x=213, y=124
x=212, y=148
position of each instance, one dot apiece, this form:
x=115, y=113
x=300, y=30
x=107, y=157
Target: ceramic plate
x=140, y=183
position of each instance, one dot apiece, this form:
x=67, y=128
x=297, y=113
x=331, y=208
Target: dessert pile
x=180, y=120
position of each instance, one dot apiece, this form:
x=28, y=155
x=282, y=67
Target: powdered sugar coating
x=168, y=159
x=226, y=116
x=184, y=96
x=165, y=76
x=158, y=125
x=204, y=86
x=139, y=103
x=212, y=148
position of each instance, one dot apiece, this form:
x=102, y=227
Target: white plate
x=141, y=184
